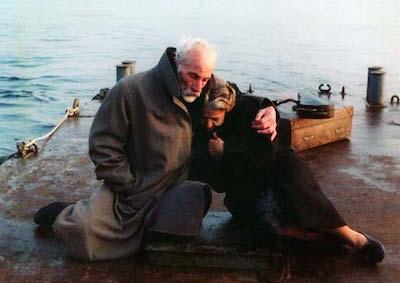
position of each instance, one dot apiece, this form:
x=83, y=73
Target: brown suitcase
x=304, y=133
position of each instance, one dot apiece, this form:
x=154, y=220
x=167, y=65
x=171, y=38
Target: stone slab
x=222, y=244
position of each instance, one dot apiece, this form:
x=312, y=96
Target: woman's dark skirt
x=291, y=197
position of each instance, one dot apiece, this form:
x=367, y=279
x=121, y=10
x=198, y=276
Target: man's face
x=193, y=75
x=213, y=118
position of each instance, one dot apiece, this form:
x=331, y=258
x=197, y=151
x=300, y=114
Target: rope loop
x=25, y=148
x=74, y=110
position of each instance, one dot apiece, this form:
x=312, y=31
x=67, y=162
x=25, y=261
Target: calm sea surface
x=54, y=51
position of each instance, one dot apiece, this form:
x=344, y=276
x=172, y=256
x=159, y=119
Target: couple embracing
x=162, y=138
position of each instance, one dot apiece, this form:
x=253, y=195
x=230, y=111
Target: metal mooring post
x=131, y=64
x=122, y=71
x=125, y=69
x=371, y=82
x=376, y=88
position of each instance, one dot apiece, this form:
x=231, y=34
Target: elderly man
x=140, y=143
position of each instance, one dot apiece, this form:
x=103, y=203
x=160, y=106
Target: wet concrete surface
x=361, y=176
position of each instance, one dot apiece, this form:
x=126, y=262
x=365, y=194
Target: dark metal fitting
x=393, y=98
x=324, y=91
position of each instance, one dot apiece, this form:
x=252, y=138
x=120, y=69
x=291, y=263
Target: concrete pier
x=361, y=176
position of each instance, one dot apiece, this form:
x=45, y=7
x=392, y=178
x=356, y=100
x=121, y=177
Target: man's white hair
x=187, y=44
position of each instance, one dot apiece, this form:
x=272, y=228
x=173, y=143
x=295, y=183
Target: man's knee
x=206, y=191
x=181, y=210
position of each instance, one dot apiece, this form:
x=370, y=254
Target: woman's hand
x=216, y=146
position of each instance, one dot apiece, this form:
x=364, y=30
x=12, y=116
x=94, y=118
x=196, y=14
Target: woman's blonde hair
x=221, y=95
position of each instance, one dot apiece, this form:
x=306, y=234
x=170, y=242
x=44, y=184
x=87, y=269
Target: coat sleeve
x=245, y=165
x=108, y=140
x=263, y=102
x=247, y=156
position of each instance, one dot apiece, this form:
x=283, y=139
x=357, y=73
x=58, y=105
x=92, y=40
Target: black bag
x=307, y=106
x=310, y=106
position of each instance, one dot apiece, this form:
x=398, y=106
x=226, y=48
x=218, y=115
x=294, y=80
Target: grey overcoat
x=140, y=143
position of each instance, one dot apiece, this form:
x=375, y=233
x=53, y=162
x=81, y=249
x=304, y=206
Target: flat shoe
x=373, y=250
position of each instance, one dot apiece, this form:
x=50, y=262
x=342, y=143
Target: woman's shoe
x=373, y=250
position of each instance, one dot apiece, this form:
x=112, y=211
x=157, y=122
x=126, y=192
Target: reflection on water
x=53, y=51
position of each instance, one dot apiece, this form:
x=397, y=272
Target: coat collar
x=168, y=72
x=169, y=76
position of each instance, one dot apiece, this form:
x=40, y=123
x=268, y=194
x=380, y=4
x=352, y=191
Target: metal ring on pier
x=324, y=91
x=393, y=98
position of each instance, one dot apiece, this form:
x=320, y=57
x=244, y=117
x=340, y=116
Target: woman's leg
x=308, y=206
x=351, y=237
x=314, y=211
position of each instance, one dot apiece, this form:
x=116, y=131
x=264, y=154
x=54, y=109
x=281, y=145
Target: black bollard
x=122, y=71
x=369, y=84
x=376, y=87
x=131, y=64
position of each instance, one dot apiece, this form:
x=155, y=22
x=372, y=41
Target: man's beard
x=187, y=94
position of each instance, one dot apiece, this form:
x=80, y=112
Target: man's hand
x=265, y=122
x=216, y=146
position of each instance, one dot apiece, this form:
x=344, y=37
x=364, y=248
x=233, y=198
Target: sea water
x=54, y=51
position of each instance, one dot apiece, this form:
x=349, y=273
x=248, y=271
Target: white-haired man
x=140, y=143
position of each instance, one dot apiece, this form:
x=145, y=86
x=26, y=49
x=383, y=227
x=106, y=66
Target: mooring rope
x=25, y=148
